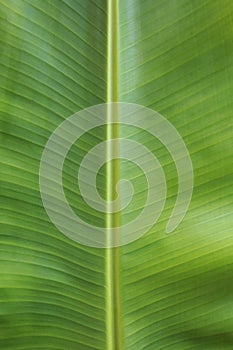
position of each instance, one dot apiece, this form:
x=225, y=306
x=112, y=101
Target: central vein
x=113, y=321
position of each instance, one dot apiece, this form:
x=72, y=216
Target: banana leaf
x=162, y=291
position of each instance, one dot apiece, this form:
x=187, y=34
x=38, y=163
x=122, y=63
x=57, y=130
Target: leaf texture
x=175, y=291
x=52, y=289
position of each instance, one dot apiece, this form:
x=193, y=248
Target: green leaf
x=161, y=291
x=52, y=289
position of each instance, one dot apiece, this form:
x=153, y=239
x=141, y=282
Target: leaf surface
x=161, y=291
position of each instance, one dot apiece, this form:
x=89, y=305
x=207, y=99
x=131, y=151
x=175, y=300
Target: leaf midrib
x=113, y=302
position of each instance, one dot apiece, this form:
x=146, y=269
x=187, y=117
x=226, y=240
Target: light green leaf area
x=176, y=57
x=162, y=291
